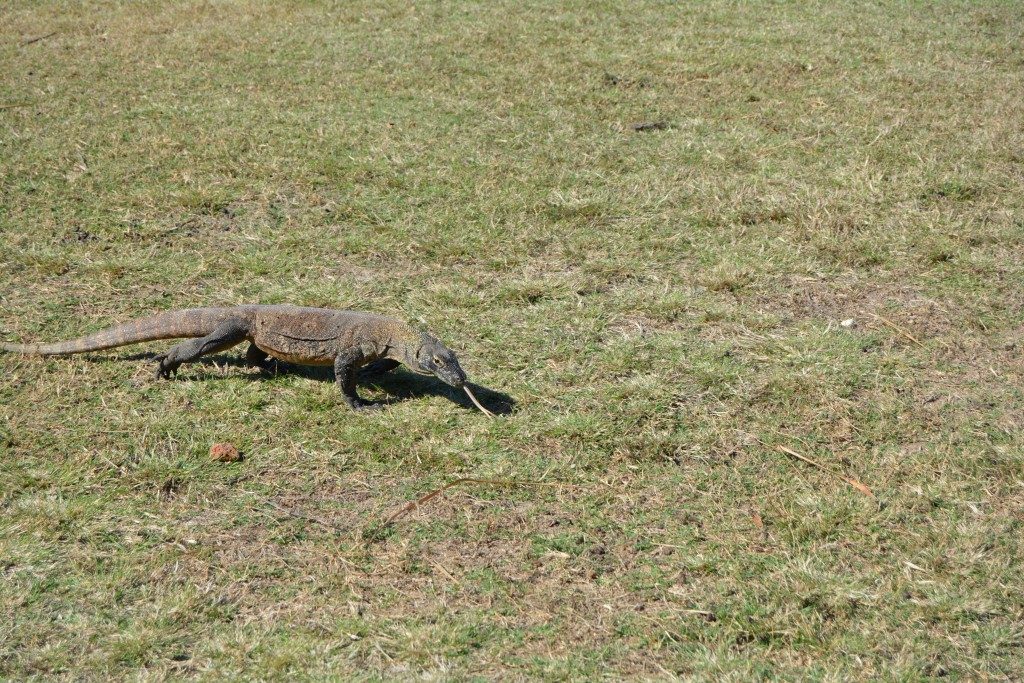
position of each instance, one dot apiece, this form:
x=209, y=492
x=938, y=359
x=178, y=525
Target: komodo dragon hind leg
x=224, y=336
x=257, y=357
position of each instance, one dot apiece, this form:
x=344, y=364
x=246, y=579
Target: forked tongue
x=476, y=402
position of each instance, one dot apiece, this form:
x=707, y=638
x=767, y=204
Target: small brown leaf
x=859, y=486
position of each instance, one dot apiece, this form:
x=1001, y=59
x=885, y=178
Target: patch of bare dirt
x=865, y=303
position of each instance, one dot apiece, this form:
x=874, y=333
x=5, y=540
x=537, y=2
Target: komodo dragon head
x=434, y=358
x=431, y=357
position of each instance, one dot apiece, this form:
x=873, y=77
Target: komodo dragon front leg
x=229, y=333
x=345, y=365
x=378, y=367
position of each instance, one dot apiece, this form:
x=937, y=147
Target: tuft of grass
x=953, y=190
x=655, y=313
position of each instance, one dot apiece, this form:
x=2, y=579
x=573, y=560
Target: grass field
x=657, y=313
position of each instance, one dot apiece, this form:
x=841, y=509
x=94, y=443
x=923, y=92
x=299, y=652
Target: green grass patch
x=675, y=236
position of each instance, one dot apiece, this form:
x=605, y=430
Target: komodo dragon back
x=190, y=322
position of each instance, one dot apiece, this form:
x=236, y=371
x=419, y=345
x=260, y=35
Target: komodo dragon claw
x=164, y=371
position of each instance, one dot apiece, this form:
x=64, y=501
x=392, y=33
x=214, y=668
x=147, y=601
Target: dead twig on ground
x=849, y=480
x=896, y=327
x=413, y=504
x=299, y=515
x=38, y=38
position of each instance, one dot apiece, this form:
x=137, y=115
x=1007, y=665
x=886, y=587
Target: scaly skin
x=308, y=336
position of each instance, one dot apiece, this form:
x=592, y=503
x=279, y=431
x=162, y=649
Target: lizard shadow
x=402, y=385
x=399, y=384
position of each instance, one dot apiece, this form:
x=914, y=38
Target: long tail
x=191, y=322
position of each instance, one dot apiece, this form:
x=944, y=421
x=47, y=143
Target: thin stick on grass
x=897, y=328
x=849, y=480
x=413, y=504
x=38, y=38
x=308, y=518
x=476, y=402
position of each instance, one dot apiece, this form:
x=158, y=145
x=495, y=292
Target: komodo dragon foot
x=365, y=406
x=165, y=370
x=258, y=358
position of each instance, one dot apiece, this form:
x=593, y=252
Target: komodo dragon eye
x=438, y=360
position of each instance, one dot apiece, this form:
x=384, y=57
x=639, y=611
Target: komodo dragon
x=309, y=336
